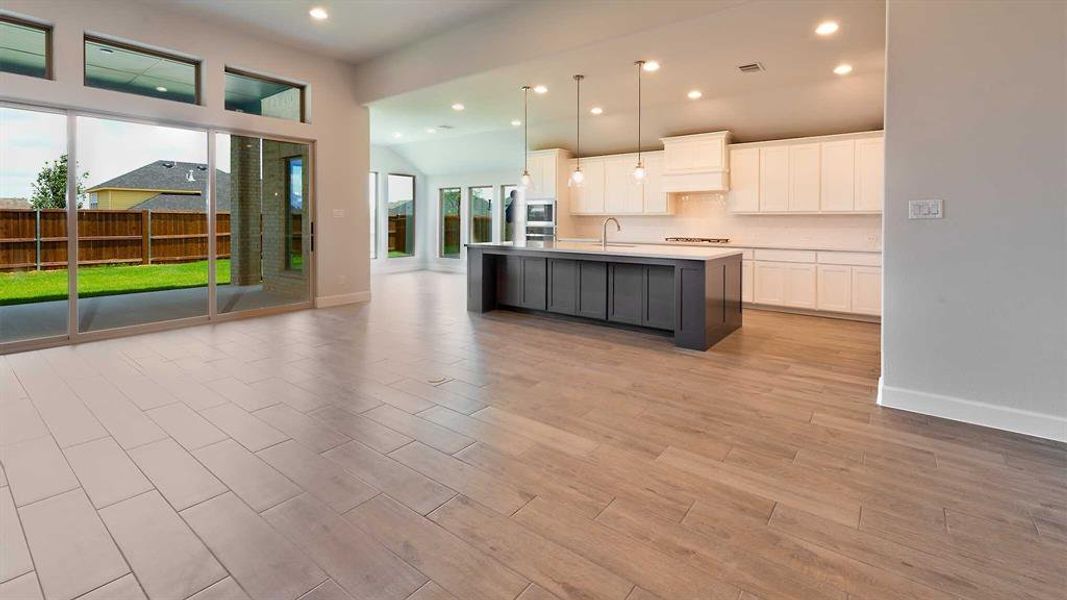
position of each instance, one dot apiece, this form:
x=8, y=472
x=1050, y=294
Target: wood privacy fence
x=37, y=239
x=481, y=231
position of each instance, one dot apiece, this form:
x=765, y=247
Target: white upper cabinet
x=774, y=179
x=657, y=202
x=589, y=198
x=870, y=174
x=804, y=177
x=696, y=163
x=609, y=187
x=838, y=176
x=744, y=180
x=832, y=174
x=544, y=173
x=621, y=194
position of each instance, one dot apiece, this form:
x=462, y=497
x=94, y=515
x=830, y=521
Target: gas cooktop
x=698, y=240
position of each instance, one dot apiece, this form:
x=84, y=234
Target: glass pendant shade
x=639, y=173
x=526, y=181
x=577, y=178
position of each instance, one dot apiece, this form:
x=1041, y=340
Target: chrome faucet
x=604, y=240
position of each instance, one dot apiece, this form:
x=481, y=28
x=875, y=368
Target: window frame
x=289, y=160
x=197, y=65
x=373, y=202
x=46, y=28
x=228, y=70
x=441, y=222
x=414, y=215
x=471, y=214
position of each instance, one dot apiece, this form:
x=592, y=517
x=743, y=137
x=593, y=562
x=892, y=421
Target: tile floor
x=408, y=449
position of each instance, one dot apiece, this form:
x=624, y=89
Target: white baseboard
x=1040, y=425
x=340, y=299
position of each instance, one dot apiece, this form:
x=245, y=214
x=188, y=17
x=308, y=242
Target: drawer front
x=859, y=259
x=798, y=256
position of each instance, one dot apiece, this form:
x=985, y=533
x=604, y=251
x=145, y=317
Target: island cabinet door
x=534, y=283
x=509, y=280
x=592, y=289
x=563, y=286
x=659, y=301
x=626, y=286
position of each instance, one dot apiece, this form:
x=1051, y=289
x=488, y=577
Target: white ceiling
x=797, y=95
x=356, y=30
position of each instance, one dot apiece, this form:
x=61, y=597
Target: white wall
x=464, y=181
x=384, y=161
x=975, y=309
x=705, y=215
x=338, y=124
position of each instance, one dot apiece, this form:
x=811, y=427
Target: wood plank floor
x=409, y=449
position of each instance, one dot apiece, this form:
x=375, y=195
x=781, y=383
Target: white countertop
x=759, y=246
x=678, y=252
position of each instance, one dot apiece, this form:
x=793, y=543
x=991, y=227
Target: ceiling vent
x=751, y=68
x=445, y=127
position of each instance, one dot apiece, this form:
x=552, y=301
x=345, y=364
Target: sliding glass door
x=263, y=203
x=142, y=214
x=133, y=203
x=33, y=225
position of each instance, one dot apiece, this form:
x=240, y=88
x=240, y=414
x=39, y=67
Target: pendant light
x=639, y=169
x=577, y=177
x=525, y=181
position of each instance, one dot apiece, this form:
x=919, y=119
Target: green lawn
x=39, y=286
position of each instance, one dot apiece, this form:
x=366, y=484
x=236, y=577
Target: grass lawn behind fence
x=39, y=286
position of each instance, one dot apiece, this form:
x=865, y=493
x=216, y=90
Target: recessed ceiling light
x=843, y=69
x=596, y=110
x=431, y=130
x=319, y=13
x=540, y=89
x=160, y=88
x=458, y=106
x=826, y=28
x=516, y=123
x=695, y=94
x=650, y=66
x=397, y=134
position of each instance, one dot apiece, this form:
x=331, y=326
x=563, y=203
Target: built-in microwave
x=541, y=213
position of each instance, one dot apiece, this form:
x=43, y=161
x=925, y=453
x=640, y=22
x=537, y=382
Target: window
x=507, y=225
x=123, y=68
x=258, y=95
x=481, y=209
x=372, y=195
x=400, y=194
x=450, y=222
x=294, y=213
x=25, y=48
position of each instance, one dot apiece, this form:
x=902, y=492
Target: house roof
x=163, y=175
x=171, y=178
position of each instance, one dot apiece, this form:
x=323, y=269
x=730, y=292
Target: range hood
x=696, y=163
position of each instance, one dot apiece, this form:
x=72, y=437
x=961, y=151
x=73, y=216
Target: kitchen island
x=693, y=293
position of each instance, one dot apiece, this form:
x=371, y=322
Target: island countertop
x=617, y=249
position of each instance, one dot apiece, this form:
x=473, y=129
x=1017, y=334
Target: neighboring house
x=161, y=185
x=14, y=203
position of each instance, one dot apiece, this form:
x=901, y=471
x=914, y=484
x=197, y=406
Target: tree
x=50, y=189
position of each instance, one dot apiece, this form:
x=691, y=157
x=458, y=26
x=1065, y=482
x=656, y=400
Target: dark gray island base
x=694, y=293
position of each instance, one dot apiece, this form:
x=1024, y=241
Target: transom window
x=125, y=68
x=25, y=47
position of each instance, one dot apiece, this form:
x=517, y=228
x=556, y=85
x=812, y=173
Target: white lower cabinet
x=746, y=281
x=800, y=285
x=867, y=290
x=791, y=280
x=835, y=288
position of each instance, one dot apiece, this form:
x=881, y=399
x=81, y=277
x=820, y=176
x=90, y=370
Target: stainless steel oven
x=541, y=213
x=541, y=220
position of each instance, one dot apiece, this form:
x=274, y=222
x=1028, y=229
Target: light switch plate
x=925, y=209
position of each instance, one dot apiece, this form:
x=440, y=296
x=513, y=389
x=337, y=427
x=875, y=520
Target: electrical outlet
x=925, y=209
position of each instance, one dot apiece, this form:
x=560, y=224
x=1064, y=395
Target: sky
x=106, y=148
